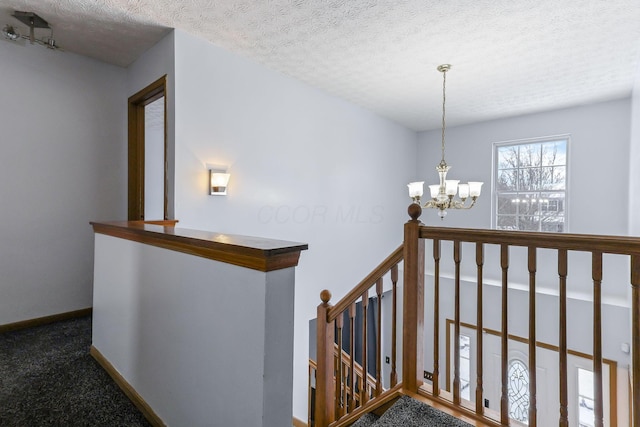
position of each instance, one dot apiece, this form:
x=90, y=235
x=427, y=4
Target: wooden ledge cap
x=251, y=252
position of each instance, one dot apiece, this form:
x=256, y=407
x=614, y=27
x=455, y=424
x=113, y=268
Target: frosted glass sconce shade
x=434, y=189
x=218, y=182
x=451, y=187
x=463, y=191
x=475, y=188
x=415, y=189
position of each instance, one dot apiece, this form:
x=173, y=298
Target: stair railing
x=562, y=244
x=338, y=392
x=346, y=360
x=336, y=404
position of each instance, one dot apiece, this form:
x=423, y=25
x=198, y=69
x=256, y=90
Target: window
x=465, y=367
x=586, y=415
x=518, y=391
x=530, y=185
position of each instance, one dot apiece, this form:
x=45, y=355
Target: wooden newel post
x=325, y=391
x=413, y=314
x=635, y=339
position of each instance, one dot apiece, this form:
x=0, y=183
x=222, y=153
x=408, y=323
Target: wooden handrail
x=251, y=252
x=622, y=245
x=365, y=284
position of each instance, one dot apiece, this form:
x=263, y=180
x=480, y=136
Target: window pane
x=507, y=180
x=465, y=366
x=586, y=416
x=585, y=383
x=508, y=157
x=528, y=223
x=551, y=224
x=465, y=391
x=552, y=212
x=506, y=222
x=529, y=179
x=552, y=202
x=464, y=346
x=529, y=204
x=586, y=412
x=508, y=204
x=518, y=391
x=530, y=155
x=553, y=178
x=554, y=153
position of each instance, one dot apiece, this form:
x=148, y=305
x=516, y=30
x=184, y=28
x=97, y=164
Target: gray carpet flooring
x=408, y=412
x=48, y=378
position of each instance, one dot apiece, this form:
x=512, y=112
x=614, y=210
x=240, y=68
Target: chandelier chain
x=444, y=100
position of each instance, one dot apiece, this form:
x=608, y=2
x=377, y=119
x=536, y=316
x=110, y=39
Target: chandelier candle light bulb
x=443, y=194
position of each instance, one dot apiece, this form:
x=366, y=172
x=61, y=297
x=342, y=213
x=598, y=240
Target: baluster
x=312, y=382
x=345, y=394
x=379, y=339
x=504, y=400
x=564, y=391
x=394, y=324
x=436, y=318
x=352, y=354
x=479, y=337
x=596, y=270
x=533, y=417
x=456, y=327
x=364, y=397
x=413, y=309
x=325, y=370
x=635, y=337
x=339, y=400
x=336, y=362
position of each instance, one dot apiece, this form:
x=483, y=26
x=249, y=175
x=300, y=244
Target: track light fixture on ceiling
x=33, y=21
x=442, y=195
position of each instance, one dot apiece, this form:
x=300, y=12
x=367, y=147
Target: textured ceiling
x=509, y=56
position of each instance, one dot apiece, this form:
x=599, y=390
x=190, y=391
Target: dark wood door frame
x=136, y=151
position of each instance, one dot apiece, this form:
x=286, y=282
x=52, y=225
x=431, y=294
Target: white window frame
x=540, y=140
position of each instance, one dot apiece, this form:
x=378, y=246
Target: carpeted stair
x=408, y=412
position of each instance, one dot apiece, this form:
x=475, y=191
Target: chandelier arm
x=462, y=204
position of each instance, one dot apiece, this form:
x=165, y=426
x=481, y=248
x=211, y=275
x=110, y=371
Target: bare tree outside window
x=530, y=185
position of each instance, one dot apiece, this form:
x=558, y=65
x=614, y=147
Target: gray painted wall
x=62, y=164
x=634, y=162
x=304, y=167
x=196, y=337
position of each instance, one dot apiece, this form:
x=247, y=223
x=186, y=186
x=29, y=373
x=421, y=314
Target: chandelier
x=443, y=194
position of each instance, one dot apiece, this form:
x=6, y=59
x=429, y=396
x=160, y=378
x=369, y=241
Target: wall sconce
x=218, y=180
